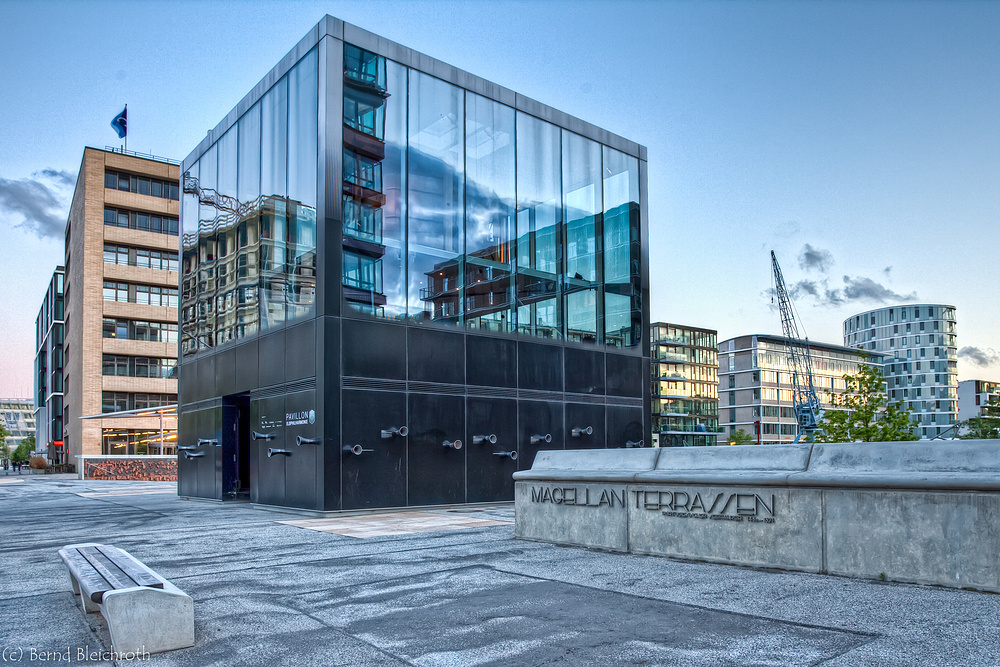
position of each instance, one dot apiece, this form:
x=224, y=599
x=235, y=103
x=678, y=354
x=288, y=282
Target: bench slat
x=130, y=566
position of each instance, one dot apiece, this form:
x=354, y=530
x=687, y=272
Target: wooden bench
x=145, y=612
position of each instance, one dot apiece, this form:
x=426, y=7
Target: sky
x=858, y=140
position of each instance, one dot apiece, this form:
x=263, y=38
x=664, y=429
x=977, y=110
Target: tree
x=986, y=426
x=740, y=437
x=4, y=447
x=29, y=440
x=22, y=453
x=865, y=414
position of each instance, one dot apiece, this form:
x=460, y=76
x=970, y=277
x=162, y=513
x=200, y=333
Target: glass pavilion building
x=399, y=281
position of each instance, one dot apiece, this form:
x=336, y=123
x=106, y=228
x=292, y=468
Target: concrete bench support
x=912, y=511
x=145, y=613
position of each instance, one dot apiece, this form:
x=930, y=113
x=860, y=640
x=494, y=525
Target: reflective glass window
x=274, y=140
x=489, y=209
x=303, y=91
x=435, y=193
x=248, y=155
x=622, y=295
x=582, y=201
x=226, y=182
x=539, y=212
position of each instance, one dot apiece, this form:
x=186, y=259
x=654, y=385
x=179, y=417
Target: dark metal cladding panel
x=300, y=339
x=539, y=366
x=626, y=424
x=225, y=372
x=302, y=468
x=375, y=478
x=581, y=416
x=584, y=371
x=625, y=376
x=490, y=473
x=187, y=469
x=490, y=361
x=206, y=464
x=229, y=434
x=328, y=387
x=246, y=366
x=206, y=377
x=538, y=418
x=268, y=418
x=374, y=349
x=436, y=474
x=271, y=356
x=435, y=356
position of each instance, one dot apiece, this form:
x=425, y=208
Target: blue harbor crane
x=804, y=399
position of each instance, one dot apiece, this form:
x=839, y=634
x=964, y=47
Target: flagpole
x=126, y=130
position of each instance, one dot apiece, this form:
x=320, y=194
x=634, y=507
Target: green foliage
x=30, y=441
x=22, y=453
x=986, y=427
x=864, y=413
x=741, y=437
x=4, y=447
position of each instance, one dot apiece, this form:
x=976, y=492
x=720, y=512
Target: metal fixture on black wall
x=193, y=455
x=299, y=440
x=186, y=448
x=274, y=452
x=484, y=439
x=387, y=433
x=634, y=443
x=262, y=436
x=581, y=430
x=204, y=441
x=510, y=455
x=539, y=439
x=356, y=449
x=453, y=444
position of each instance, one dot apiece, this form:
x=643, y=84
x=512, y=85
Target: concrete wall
x=915, y=512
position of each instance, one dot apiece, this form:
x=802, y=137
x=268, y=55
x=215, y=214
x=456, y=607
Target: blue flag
x=120, y=123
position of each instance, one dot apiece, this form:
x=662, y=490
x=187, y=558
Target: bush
x=38, y=463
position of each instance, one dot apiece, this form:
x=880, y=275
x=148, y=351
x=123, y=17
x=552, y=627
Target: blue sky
x=867, y=131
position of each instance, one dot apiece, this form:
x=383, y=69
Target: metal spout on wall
x=401, y=431
x=510, y=455
x=356, y=449
x=274, y=452
x=204, y=441
x=193, y=455
x=299, y=440
x=262, y=436
x=582, y=430
x=635, y=443
x=539, y=439
x=484, y=439
x=187, y=448
x=454, y=444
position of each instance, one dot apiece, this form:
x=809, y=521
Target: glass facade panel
x=435, y=195
x=249, y=155
x=489, y=214
x=582, y=200
x=622, y=259
x=274, y=140
x=226, y=184
x=539, y=216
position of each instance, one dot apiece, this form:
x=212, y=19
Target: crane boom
x=804, y=399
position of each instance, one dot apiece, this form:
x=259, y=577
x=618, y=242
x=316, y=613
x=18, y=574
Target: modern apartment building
x=49, y=371
x=921, y=359
x=18, y=418
x=401, y=281
x=755, y=384
x=685, y=394
x=121, y=295
x=974, y=398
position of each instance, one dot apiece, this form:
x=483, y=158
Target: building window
x=114, y=401
x=156, y=296
x=141, y=185
x=115, y=254
x=115, y=217
x=114, y=291
x=732, y=381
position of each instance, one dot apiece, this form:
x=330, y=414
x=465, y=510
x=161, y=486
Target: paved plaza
x=445, y=587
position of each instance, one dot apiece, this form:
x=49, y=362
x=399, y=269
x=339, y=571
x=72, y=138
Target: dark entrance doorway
x=236, y=447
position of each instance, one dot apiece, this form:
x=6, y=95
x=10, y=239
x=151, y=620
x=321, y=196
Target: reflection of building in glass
x=49, y=329
x=685, y=365
x=121, y=298
x=399, y=281
x=755, y=384
x=921, y=365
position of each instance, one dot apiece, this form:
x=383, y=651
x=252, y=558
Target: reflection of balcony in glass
x=364, y=149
